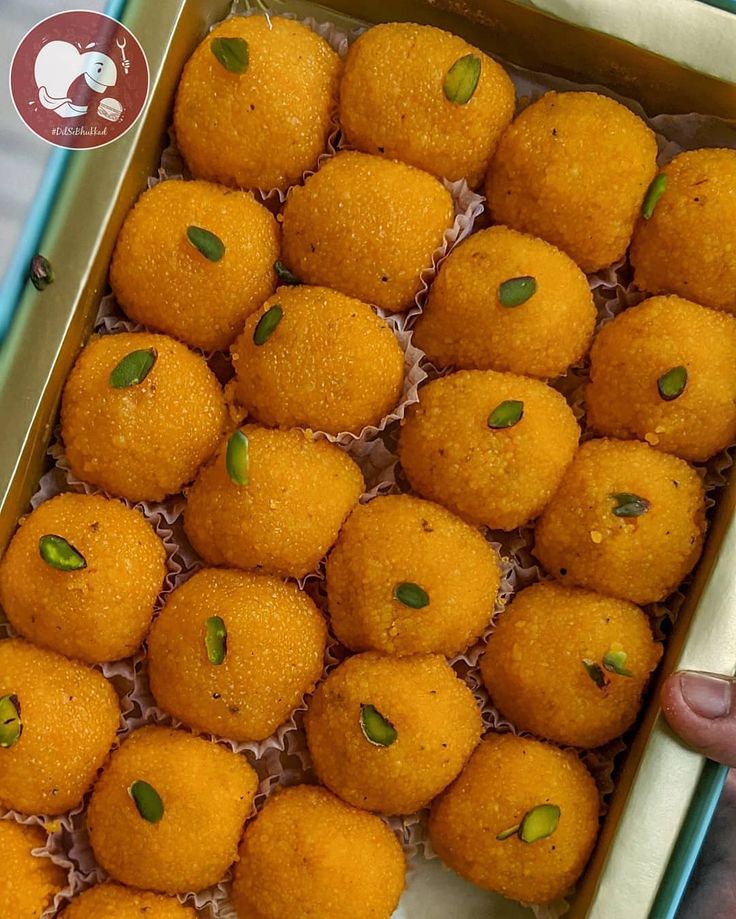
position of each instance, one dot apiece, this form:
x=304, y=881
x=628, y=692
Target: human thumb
x=701, y=708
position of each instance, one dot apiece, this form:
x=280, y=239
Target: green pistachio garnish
x=215, y=640
x=133, y=368
x=516, y=291
x=284, y=275
x=595, y=672
x=232, y=53
x=655, y=191
x=206, y=242
x=615, y=662
x=60, y=554
x=628, y=505
x=506, y=415
x=539, y=823
x=461, y=80
x=237, y=458
x=41, y=273
x=672, y=384
x=267, y=325
x=376, y=729
x=411, y=595
x=147, y=800
x=11, y=727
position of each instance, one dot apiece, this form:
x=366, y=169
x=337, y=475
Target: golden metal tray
x=659, y=784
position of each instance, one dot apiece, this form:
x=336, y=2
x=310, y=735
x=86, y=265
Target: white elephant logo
x=58, y=64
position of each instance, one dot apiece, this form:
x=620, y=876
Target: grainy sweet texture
x=467, y=325
x=331, y=364
x=628, y=396
x=206, y=791
x=309, y=855
x=686, y=247
x=498, y=477
x=367, y=227
x=27, y=883
x=162, y=280
x=128, y=440
x=466, y=821
x=404, y=113
x=285, y=752
x=100, y=612
x=545, y=665
x=573, y=169
x=451, y=563
x=434, y=715
x=640, y=556
x=265, y=126
x=288, y=514
x=69, y=716
x=111, y=901
x=273, y=651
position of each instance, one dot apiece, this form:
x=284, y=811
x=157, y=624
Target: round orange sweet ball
x=503, y=300
x=569, y=665
x=443, y=110
x=408, y=577
x=366, y=226
x=327, y=362
x=28, y=882
x=129, y=423
x=168, y=810
x=256, y=101
x=307, y=853
x=194, y=259
x=279, y=509
x=58, y=721
x=387, y=734
x=234, y=653
x=492, y=447
x=627, y=521
x=111, y=901
x=685, y=244
x=521, y=819
x=665, y=372
x=573, y=168
x=81, y=576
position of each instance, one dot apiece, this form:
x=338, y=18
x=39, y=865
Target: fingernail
x=707, y=694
